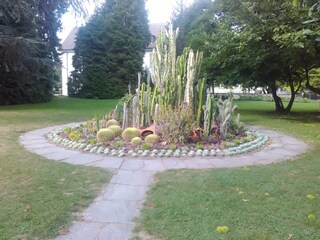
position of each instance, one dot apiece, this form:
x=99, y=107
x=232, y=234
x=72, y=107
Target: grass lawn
x=256, y=203
x=38, y=197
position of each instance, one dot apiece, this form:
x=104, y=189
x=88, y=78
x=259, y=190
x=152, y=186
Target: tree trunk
x=293, y=95
x=277, y=100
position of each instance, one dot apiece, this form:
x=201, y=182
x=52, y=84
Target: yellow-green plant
x=105, y=135
x=152, y=139
x=112, y=122
x=116, y=129
x=130, y=133
x=136, y=141
x=75, y=135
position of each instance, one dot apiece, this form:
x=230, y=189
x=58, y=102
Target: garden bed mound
x=245, y=142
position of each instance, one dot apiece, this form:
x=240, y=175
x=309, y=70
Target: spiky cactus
x=225, y=113
x=208, y=110
x=201, y=86
x=105, y=134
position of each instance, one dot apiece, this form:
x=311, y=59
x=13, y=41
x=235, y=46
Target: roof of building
x=69, y=43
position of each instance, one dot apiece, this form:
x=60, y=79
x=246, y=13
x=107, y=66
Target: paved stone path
x=111, y=215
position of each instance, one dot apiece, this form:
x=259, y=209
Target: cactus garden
x=173, y=113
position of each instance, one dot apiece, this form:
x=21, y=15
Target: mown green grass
x=191, y=204
x=38, y=197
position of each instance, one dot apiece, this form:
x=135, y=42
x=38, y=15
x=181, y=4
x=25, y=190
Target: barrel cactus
x=112, y=122
x=105, y=134
x=116, y=129
x=152, y=138
x=130, y=133
x=136, y=141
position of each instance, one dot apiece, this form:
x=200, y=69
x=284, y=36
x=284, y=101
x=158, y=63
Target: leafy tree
x=109, y=50
x=255, y=47
x=256, y=43
x=28, y=48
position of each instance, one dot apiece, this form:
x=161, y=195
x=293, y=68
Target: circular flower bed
x=70, y=138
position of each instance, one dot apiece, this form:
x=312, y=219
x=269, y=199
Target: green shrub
x=92, y=140
x=118, y=144
x=172, y=147
x=105, y=134
x=236, y=141
x=67, y=129
x=75, y=135
x=130, y=133
x=198, y=145
x=146, y=146
x=175, y=124
x=116, y=129
x=152, y=138
x=136, y=141
x=112, y=122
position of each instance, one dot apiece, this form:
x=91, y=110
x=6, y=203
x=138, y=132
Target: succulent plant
x=152, y=138
x=112, y=122
x=136, y=141
x=130, y=133
x=116, y=129
x=105, y=134
x=75, y=135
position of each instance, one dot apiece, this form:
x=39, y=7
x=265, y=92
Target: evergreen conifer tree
x=109, y=50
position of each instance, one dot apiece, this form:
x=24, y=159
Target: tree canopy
x=258, y=43
x=109, y=50
x=28, y=48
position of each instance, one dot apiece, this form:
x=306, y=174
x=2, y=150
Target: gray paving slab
x=134, y=165
x=173, y=163
x=108, y=163
x=112, y=211
x=83, y=231
x=115, y=232
x=82, y=158
x=46, y=150
x=133, y=178
x=153, y=165
x=198, y=163
x=125, y=192
x=31, y=146
x=111, y=214
x=61, y=155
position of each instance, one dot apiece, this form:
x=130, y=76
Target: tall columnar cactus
x=201, y=86
x=125, y=121
x=156, y=111
x=193, y=72
x=208, y=110
x=135, y=112
x=225, y=113
x=175, y=77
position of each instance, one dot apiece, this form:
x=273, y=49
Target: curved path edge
x=111, y=215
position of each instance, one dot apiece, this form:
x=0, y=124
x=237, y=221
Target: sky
x=159, y=12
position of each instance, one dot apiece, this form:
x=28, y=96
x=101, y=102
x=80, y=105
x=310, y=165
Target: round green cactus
x=116, y=129
x=112, y=122
x=130, y=133
x=152, y=138
x=105, y=134
x=136, y=141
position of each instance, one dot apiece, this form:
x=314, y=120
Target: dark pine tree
x=109, y=50
x=28, y=44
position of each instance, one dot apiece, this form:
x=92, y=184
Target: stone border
x=111, y=215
